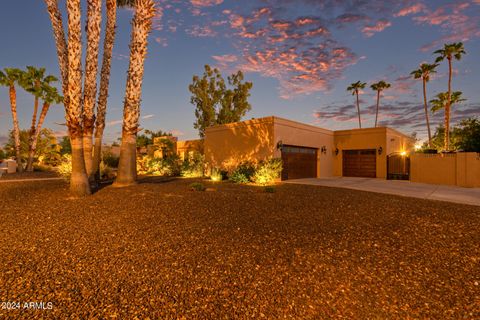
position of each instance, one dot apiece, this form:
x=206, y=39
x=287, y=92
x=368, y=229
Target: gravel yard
x=161, y=251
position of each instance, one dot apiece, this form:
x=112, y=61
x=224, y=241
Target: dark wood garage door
x=299, y=162
x=360, y=163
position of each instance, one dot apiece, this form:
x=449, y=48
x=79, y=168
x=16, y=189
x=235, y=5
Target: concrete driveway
x=401, y=188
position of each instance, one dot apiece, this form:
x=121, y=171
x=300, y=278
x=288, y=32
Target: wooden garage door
x=359, y=163
x=299, y=162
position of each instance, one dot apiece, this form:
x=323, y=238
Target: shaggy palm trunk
x=16, y=128
x=79, y=185
x=447, y=107
x=358, y=110
x=38, y=129
x=426, y=112
x=141, y=27
x=104, y=83
x=31, y=138
x=378, y=103
x=94, y=13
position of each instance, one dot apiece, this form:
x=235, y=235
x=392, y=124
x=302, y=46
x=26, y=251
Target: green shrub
x=193, y=167
x=110, y=159
x=197, y=186
x=269, y=189
x=159, y=167
x=106, y=172
x=243, y=173
x=65, y=167
x=268, y=171
x=216, y=175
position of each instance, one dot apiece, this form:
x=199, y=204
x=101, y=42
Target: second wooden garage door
x=299, y=162
x=360, y=163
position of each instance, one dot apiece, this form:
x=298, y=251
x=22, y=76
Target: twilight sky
x=300, y=55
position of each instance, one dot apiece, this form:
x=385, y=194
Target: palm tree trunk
x=447, y=107
x=94, y=19
x=426, y=112
x=141, y=27
x=61, y=44
x=358, y=110
x=16, y=128
x=79, y=185
x=104, y=83
x=378, y=103
x=38, y=130
x=31, y=137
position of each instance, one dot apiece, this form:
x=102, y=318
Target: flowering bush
x=268, y=171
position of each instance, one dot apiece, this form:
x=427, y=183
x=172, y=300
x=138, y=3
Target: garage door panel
x=359, y=163
x=299, y=162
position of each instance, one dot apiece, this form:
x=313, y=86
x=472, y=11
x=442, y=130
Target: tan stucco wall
x=228, y=145
x=187, y=146
x=299, y=134
x=461, y=169
x=398, y=142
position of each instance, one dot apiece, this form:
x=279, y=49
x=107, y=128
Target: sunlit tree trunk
x=38, y=130
x=94, y=19
x=358, y=110
x=447, y=106
x=141, y=27
x=31, y=138
x=378, y=103
x=426, y=112
x=16, y=128
x=79, y=184
x=104, y=84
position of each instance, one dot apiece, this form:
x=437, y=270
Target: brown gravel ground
x=29, y=175
x=161, y=251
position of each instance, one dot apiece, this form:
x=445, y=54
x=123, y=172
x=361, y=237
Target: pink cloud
x=413, y=9
x=205, y=3
x=381, y=25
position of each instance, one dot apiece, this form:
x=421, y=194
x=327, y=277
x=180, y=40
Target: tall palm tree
x=34, y=81
x=379, y=87
x=94, y=20
x=355, y=89
x=424, y=73
x=141, y=27
x=49, y=96
x=449, y=52
x=9, y=78
x=108, y=43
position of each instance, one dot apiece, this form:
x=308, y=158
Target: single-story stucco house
x=306, y=150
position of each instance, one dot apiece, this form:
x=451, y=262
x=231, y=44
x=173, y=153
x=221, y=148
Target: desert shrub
x=269, y=189
x=106, y=172
x=193, y=167
x=65, y=167
x=110, y=159
x=268, y=171
x=216, y=175
x=197, y=186
x=243, y=173
x=159, y=167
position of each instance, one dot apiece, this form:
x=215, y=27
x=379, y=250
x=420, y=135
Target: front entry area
x=360, y=163
x=299, y=162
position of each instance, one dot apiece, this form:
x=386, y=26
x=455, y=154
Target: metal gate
x=398, y=167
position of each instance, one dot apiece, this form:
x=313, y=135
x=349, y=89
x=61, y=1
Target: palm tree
x=441, y=101
x=49, y=95
x=104, y=83
x=9, y=78
x=34, y=81
x=449, y=52
x=355, y=88
x=94, y=19
x=141, y=27
x=424, y=73
x=379, y=87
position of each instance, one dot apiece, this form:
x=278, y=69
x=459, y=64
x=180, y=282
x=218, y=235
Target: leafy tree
x=467, y=135
x=46, y=143
x=379, y=87
x=3, y=155
x=215, y=103
x=355, y=89
x=449, y=52
x=441, y=100
x=65, y=146
x=146, y=139
x=424, y=73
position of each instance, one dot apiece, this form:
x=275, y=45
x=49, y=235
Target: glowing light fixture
x=403, y=153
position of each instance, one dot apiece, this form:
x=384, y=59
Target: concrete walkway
x=401, y=188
